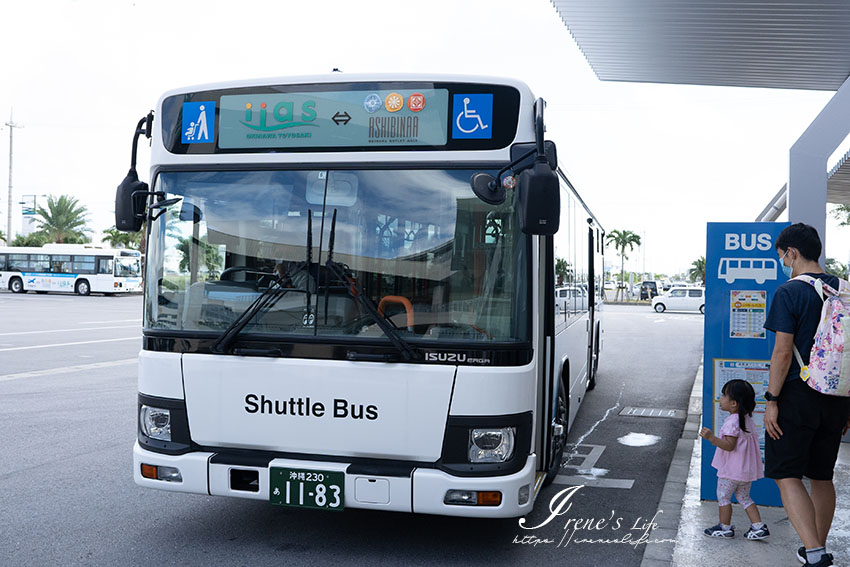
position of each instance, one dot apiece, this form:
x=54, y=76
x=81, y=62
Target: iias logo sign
x=282, y=116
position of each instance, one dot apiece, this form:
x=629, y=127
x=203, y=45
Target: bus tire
x=82, y=287
x=16, y=285
x=559, y=441
x=594, y=363
x=702, y=309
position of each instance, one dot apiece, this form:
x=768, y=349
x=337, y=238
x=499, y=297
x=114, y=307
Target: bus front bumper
x=423, y=491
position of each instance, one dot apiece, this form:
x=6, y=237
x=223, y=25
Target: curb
x=673, y=495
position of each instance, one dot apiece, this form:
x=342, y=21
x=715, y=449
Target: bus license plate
x=322, y=490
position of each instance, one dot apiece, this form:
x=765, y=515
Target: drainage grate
x=654, y=412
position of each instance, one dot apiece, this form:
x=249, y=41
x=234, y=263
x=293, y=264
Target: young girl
x=737, y=460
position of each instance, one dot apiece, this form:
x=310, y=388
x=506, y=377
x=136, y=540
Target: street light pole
x=11, y=124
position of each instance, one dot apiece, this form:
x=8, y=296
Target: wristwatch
x=770, y=397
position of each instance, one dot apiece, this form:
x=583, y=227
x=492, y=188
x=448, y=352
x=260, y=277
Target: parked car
x=611, y=285
x=681, y=299
x=650, y=288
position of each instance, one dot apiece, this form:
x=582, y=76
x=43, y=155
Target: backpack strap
x=804, y=370
x=820, y=287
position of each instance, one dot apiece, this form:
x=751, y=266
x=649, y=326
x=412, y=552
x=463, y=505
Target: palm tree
x=2, y=236
x=562, y=271
x=33, y=239
x=118, y=239
x=697, y=273
x=620, y=239
x=63, y=221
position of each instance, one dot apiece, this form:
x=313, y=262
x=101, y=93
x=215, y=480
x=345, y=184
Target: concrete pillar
x=807, y=174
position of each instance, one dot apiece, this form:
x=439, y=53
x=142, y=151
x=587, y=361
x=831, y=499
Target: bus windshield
x=437, y=261
x=128, y=267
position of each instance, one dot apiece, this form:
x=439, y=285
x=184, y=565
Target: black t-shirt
x=796, y=309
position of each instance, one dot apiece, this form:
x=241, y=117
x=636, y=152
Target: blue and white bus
x=73, y=268
x=350, y=294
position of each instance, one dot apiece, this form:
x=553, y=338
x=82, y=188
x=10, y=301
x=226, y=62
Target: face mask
x=787, y=270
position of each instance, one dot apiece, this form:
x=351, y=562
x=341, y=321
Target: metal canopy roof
x=793, y=44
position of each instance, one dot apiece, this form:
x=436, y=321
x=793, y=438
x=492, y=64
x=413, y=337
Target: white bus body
x=72, y=268
x=313, y=403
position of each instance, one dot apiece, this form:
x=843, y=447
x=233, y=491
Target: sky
x=659, y=160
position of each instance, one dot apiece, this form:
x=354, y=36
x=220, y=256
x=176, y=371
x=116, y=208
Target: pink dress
x=744, y=463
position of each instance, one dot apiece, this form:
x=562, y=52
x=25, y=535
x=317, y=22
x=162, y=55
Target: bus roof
x=55, y=248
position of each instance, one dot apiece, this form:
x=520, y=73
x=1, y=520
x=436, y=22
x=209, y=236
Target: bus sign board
x=365, y=116
x=334, y=118
x=741, y=277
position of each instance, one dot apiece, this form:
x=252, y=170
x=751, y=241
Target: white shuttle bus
x=349, y=294
x=73, y=268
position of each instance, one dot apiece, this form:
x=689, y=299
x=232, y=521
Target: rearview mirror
x=488, y=188
x=130, y=203
x=539, y=200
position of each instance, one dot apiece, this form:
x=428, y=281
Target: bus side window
x=104, y=266
x=2, y=262
x=83, y=264
x=60, y=264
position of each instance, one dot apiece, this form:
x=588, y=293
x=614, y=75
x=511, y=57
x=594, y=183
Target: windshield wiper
x=266, y=300
x=343, y=273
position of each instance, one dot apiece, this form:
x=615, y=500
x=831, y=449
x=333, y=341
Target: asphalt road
x=67, y=426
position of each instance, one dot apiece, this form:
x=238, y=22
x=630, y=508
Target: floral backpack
x=829, y=364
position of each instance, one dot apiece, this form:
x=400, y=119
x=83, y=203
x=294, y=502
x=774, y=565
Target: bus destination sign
x=328, y=119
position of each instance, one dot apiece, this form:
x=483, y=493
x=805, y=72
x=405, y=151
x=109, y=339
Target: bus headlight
x=491, y=445
x=155, y=422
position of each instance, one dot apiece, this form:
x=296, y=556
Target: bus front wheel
x=559, y=436
x=83, y=287
x=16, y=285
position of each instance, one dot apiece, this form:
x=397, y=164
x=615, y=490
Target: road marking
x=71, y=344
x=654, y=412
x=70, y=330
x=594, y=482
x=67, y=369
x=587, y=473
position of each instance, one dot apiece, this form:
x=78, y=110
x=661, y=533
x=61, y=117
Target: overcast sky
x=660, y=160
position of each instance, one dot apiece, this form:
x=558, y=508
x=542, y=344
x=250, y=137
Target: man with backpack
x=803, y=427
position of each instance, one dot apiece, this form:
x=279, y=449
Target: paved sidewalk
x=687, y=516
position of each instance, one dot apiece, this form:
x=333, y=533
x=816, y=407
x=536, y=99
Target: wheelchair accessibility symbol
x=473, y=116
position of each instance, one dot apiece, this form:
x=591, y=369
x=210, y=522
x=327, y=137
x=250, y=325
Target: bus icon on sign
x=758, y=269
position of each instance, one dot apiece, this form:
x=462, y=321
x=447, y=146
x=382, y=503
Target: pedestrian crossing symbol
x=198, y=122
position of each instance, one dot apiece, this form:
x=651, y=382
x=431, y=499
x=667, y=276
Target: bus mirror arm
x=489, y=189
x=539, y=187
x=129, y=206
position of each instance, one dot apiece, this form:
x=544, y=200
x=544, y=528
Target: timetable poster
x=747, y=314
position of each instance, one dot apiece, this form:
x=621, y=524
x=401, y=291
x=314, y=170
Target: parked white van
x=681, y=299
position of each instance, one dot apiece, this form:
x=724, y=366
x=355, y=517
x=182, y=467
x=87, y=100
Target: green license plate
x=302, y=488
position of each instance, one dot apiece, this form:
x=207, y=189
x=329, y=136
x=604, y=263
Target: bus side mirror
x=539, y=200
x=130, y=203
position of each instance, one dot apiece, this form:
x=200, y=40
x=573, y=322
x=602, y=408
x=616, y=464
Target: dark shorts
x=811, y=425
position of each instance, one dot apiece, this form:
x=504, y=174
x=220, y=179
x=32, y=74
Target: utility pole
x=11, y=124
